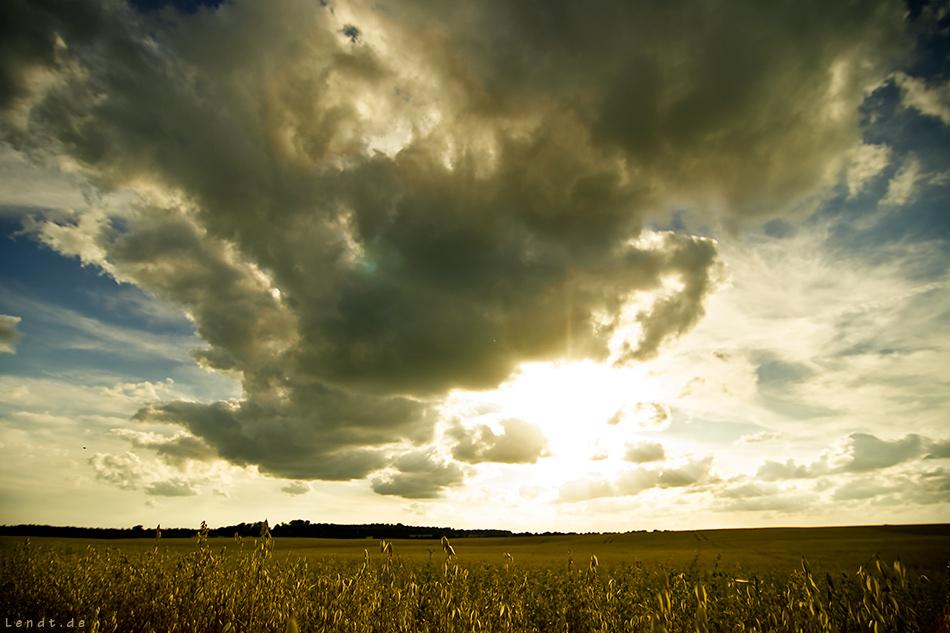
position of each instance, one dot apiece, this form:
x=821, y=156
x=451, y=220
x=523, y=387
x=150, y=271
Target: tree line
x=295, y=528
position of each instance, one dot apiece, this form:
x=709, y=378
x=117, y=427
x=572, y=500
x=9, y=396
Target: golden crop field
x=803, y=580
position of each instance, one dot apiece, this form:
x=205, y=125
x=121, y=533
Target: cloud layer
x=859, y=468
x=357, y=226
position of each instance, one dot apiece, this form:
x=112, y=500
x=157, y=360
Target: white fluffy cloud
x=929, y=99
x=162, y=478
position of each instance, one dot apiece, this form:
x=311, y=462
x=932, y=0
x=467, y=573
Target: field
x=883, y=578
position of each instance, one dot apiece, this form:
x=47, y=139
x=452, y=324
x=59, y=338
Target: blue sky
x=559, y=267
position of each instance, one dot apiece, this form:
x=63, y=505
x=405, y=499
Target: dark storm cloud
x=358, y=225
x=29, y=35
x=231, y=306
x=690, y=92
x=520, y=443
x=319, y=434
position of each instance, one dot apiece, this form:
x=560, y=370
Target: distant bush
x=247, y=589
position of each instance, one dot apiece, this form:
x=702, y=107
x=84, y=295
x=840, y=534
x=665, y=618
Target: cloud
x=28, y=186
x=847, y=337
x=864, y=452
x=750, y=489
x=445, y=289
x=931, y=486
x=643, y=452
x=868, y=161
x=862, y=489
x=777, y=471
x=690, y=473
x=647, y=415
x=420, y=474
x=673, y=87
x=296, y=488
x=633, y=481
x=79, y=332
x=175, y=451
x=79, y=239
x=939, y=450
x=230, y=300
x=145, y=390
x=33, y=42
x=9, y=334
x=903, y=487
x=752, y=498
x=169, y=477
x=760, y=438
x=636, y=480
x=125, y=471
x=519, y=443
x=858, y=453
x=357, y=226
x=310, y=433
x=932, y=100
x=172, y=488
x=902, y=188
x=584, y=490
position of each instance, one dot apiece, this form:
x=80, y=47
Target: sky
x=538, y=266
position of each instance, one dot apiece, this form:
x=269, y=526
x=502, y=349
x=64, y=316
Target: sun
x=586, y=410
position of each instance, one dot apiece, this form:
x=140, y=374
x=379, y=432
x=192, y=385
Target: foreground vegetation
x=246, y=588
